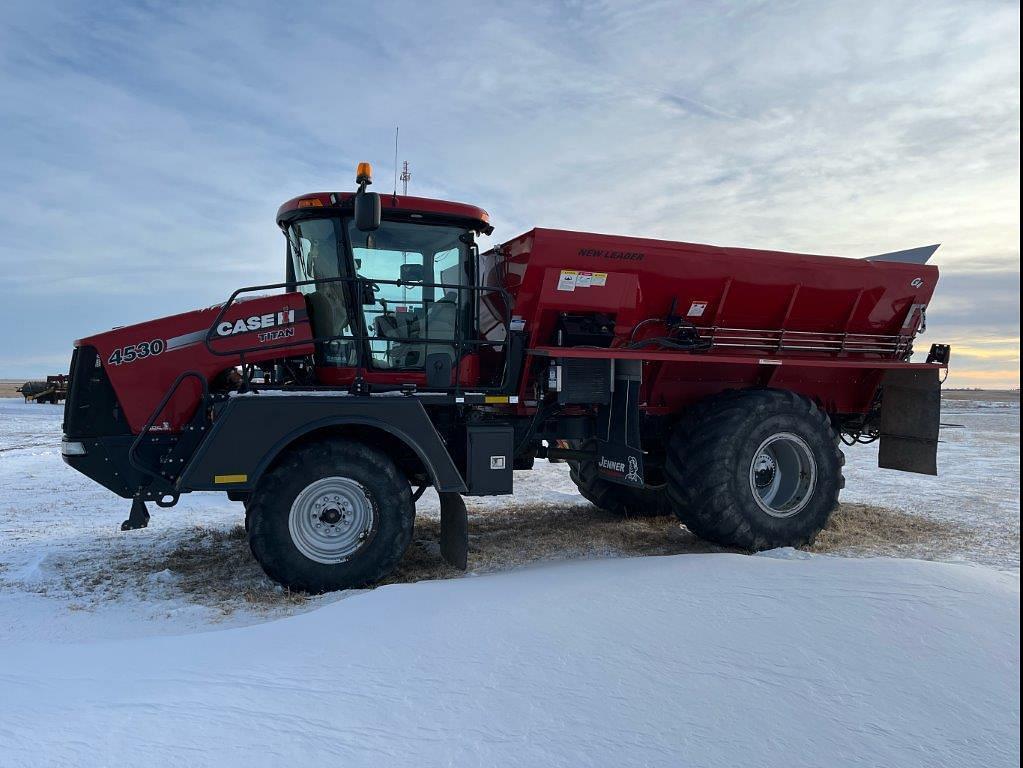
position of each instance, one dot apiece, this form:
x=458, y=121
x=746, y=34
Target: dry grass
x=866, y=530
x=986, y=395
x=534, y=533
x=214, y=568
x=208, y=567
x=9, y=387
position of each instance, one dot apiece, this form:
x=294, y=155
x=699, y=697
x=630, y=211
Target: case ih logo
x=597, y=253
x=256, y=323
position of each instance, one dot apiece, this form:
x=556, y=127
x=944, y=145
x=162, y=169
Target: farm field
x=127, y=643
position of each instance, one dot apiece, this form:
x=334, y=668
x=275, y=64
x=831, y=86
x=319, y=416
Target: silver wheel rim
x=331, y=519
x=783, y=475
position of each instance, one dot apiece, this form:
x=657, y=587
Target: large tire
x=330, y=515
x=613, y=497
x=755, y=469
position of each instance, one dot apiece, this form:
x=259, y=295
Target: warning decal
x=696, y=309
x=570, y=279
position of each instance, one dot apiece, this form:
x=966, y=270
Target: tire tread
x=702, y=462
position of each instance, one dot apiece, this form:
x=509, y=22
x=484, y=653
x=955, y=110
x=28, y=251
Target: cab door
x=316, y=253
x=417, y=306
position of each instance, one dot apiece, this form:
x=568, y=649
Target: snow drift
x=705, y=660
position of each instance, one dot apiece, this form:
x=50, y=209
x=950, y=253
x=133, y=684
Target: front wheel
x=755, y=469
x=330, y=515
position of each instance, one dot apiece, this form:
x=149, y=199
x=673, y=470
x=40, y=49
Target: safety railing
x=133, y=457
x=816, y=342
x=358, y=322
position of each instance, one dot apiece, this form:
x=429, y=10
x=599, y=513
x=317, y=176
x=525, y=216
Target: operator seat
x=439, y=324
x=391, y=324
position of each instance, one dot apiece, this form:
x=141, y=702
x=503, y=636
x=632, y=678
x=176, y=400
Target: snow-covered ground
x=167, y=646
x=708, y=660
x=978, y=483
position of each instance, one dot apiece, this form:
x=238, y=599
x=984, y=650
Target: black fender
x=252, y=430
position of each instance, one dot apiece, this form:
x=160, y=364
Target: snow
x=788, y=658
x=700, y=659
x=977, y=486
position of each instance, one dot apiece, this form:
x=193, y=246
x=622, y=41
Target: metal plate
x=910, y=412
x=454, y=530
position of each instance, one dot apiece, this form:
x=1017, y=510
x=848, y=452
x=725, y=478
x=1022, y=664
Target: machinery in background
x=53, y=390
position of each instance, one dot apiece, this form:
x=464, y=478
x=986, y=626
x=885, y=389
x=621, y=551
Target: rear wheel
x=755, y=469
x=330, y=515
x=614, y=497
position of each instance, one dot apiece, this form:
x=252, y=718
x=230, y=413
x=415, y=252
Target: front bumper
x=105, y=460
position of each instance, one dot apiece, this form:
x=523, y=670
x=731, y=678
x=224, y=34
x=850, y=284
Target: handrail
x=359, y=328
x=132, y=458
x=838, y=342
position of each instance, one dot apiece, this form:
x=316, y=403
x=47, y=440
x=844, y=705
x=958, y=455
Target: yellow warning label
x=222, y=479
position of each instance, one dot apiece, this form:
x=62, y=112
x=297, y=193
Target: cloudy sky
x=144, y=147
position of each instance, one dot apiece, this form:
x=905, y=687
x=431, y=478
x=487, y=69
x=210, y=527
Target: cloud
x=694, y=107
x=147, y=146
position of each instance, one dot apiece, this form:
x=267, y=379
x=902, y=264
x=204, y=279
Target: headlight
x=68, y=448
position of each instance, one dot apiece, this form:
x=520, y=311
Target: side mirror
x=412, y=273
x=367, y=210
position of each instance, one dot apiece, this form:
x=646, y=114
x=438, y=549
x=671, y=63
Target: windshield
x=429, y=262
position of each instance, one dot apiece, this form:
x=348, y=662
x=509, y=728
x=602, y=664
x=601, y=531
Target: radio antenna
x=405, y=176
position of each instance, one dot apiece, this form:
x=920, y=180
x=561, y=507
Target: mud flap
x=619, y=450
x=454, y=530
x=910, y=412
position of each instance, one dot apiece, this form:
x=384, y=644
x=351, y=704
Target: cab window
x=413, y=271
x=313, y=245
